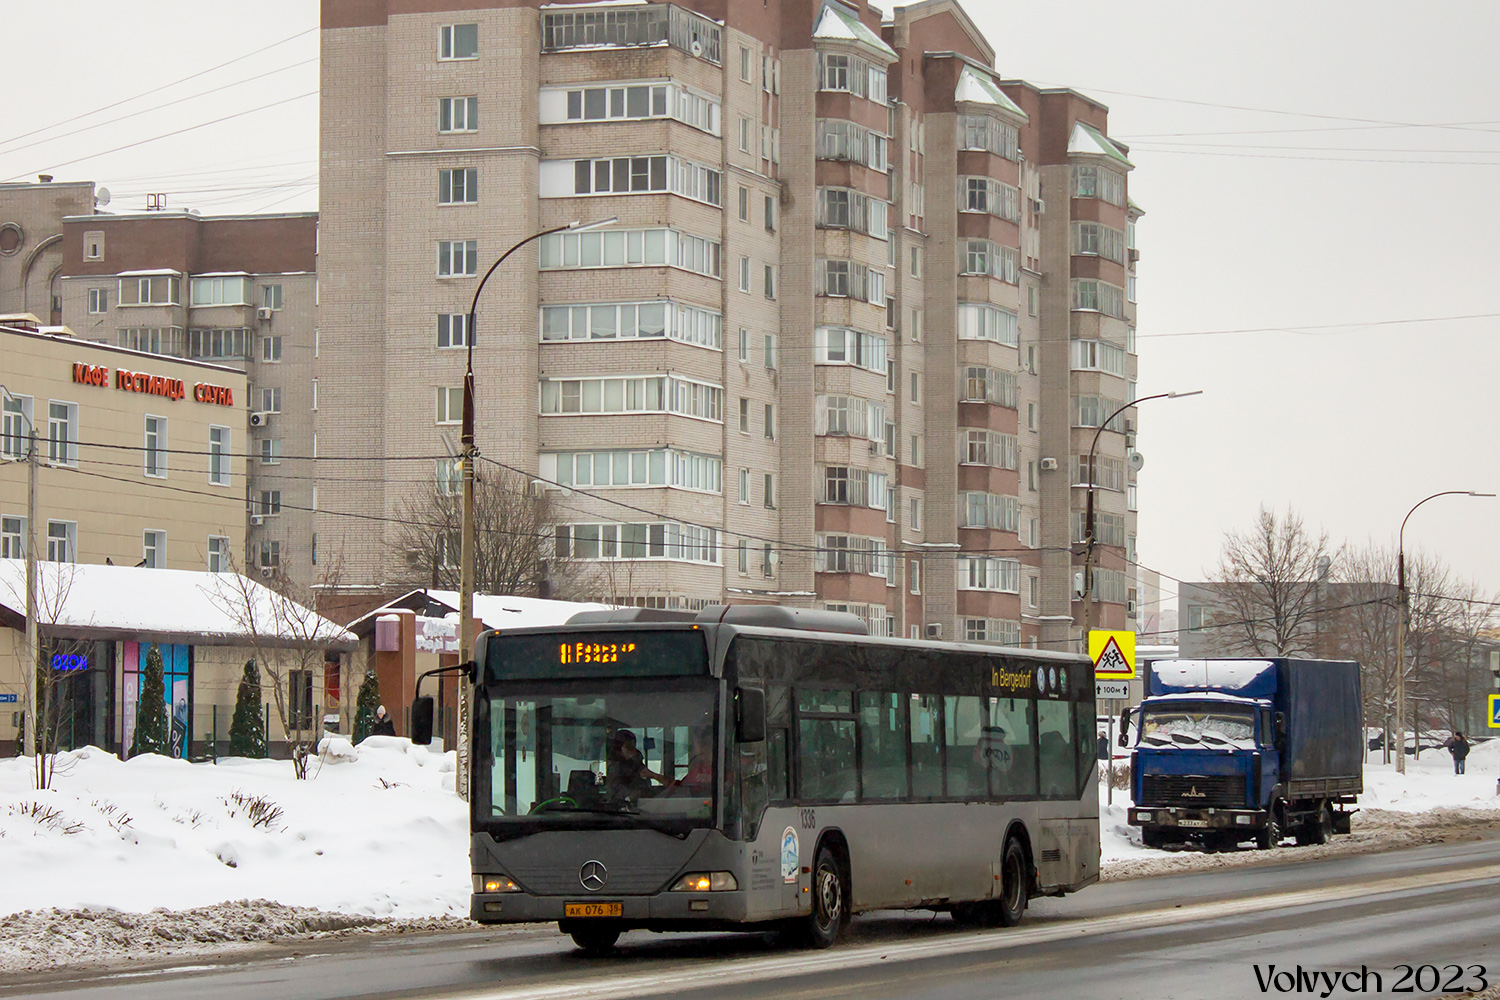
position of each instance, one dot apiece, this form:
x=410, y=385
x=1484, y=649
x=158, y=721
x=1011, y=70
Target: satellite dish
x=101, y=197
x=1136, y=460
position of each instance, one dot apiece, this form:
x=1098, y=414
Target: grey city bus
x=770, y=769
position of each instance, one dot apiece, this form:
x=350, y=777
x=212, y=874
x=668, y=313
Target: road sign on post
x=1495, y=711
x=1113, y=654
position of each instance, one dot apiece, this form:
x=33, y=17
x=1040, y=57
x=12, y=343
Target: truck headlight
x=706, y=882
x=495, y=883
x=1244, y=820
x=1143, y=817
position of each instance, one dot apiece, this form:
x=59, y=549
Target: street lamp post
x=1402, y=616
x=466, y=536
x=33, y=636
x=1088, y=516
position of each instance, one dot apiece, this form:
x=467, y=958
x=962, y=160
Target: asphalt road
x=1184, y=936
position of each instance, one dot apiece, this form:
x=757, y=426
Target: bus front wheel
x=596, y=940
x=1015, y=883
x=821, y=928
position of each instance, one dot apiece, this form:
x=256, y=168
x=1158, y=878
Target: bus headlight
x=706, y=882
x=495, y=883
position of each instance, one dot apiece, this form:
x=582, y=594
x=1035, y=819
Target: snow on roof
x=148, y=603
x=976, y=88
x=1222, y=674
x=142, y=274
x=502, y=611
x=1087, y=139
x=835, y=23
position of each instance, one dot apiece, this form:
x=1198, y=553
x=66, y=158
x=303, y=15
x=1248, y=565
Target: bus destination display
x=594, y=652
x=597, y=653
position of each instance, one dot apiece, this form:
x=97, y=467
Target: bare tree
x=1266, y=588
x=514, y=528
x=54, y=583
x=289, y=641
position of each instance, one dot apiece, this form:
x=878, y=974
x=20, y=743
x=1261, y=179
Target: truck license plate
x=593, y=909
x=1195, y=824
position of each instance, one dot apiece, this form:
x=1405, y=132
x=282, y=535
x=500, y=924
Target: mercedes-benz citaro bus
x=763, y=768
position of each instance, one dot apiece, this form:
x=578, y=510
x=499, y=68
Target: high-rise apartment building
x=863, y=304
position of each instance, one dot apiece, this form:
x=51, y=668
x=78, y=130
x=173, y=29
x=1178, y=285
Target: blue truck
x=1226, y=750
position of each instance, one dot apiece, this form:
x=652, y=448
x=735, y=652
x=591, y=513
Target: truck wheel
x=1154, y=839
x=1320, y=829
x=1015, y=885
x=1270, y=835
x=596, y=940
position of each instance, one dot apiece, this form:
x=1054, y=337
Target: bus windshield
x=602, y=754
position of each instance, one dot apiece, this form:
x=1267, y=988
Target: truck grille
x=1223, y=790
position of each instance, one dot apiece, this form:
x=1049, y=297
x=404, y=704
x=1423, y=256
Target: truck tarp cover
x=1321, y=699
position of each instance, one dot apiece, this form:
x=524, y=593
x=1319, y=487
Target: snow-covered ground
x=374, y=831
x=1428, y=784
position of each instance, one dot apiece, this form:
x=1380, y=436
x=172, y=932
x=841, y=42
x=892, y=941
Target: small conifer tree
x=151, y=733
x=247, y=731
x=365, y=705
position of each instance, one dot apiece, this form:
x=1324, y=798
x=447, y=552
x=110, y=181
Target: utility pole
x=33, y=636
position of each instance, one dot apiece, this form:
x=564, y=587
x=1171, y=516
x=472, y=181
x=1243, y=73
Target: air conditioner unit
x=257, y=519
x=1048, y=464
x=1078, y=584
x=1039, y=206
x=1133, y=254
x=934, y=630
x=264, y=312
x=1130, y=608
x=876, y=447
x=266, y=571
x=260, y=419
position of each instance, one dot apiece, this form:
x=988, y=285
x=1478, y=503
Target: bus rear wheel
x=1015, y=885
x=596, y=940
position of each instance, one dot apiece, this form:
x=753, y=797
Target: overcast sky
x=1321, y=175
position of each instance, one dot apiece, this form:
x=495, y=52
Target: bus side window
x=754, y=784
x=966, y=766
x=926, y=746
x=1011, y=748
x=882, y=747
x=1085, y=744
x=1054, y=745
x=778, y=787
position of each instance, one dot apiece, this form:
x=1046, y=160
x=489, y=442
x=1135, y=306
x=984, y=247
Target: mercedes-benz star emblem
x=593, y=875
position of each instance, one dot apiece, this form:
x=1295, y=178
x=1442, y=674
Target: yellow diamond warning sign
x=1113, y=654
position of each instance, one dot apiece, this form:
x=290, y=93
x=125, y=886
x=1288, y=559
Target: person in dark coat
x=1459, y=748
x=383, y=724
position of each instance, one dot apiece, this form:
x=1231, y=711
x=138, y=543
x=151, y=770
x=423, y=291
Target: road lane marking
x=732, y=971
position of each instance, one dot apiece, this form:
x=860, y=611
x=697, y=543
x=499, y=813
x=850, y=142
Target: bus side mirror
x=421, y=720
x=1125, y=728
x=750, y=714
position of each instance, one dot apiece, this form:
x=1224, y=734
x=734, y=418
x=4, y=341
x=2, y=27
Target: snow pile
x=381, y=834
x=1429, y=785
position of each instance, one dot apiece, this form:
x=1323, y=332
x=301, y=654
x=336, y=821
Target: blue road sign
x=1494, y=711
x=7, y=699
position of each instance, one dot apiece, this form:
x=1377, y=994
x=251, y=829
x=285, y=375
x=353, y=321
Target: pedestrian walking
x=1459, y=748
x=384, y=726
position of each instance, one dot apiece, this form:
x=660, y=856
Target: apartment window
x=916, y=388
x=770, y=491
x=744, y=345
x=270, y=400
x=458, y=41
x=158, y=290
x=985, y=257
x=1031, y=300
x=769, y=351
x=62, y=432
x=842, y=208
x=914, y=577
x=770, y=281
x=989, y=573
x=834, y=73
x=915, y=458
x=770, y=214
x=270, y=503
x=834, y=345
x=915, y=325
x=744, y=65
x=211, y=344
x=985, y=194
x=452, y=330
x=770, y=424
x=631, y=248
x=844, y=141
x=651, y=394
x=458, y=186
x=62, y=541
x=989, y=134
x=991, y=448
x=914, y=513
x=218, y=456
x=1093, y=181
x=1130, y=498
x=270, y=349
x=270, y=555
x=630, y=102
x=224, y=291
x=916, y=262
x=270, y=451
x=981, y=321
x=450, y=404
x=644, y=467
x=154, y=549
x=270, y=297
x=314, y=394
x=1130, y=340
x=744, y=274
x=15, y=426
x=633, y=320
x=988, y=385
x=636, y=175
x=1098, y=355
x=457, y=258
x=744, y=204
x=669, y=540
x=744, y=415
x=218, y=554
x=767, y=561
x=458, y=114
x=93, y=246
x=742, y=557
x=12, y=537
x=1094, y=239
x=98, y=300
x=744, y=486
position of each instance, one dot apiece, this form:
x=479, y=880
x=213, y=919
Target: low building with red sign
x=141, y=458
